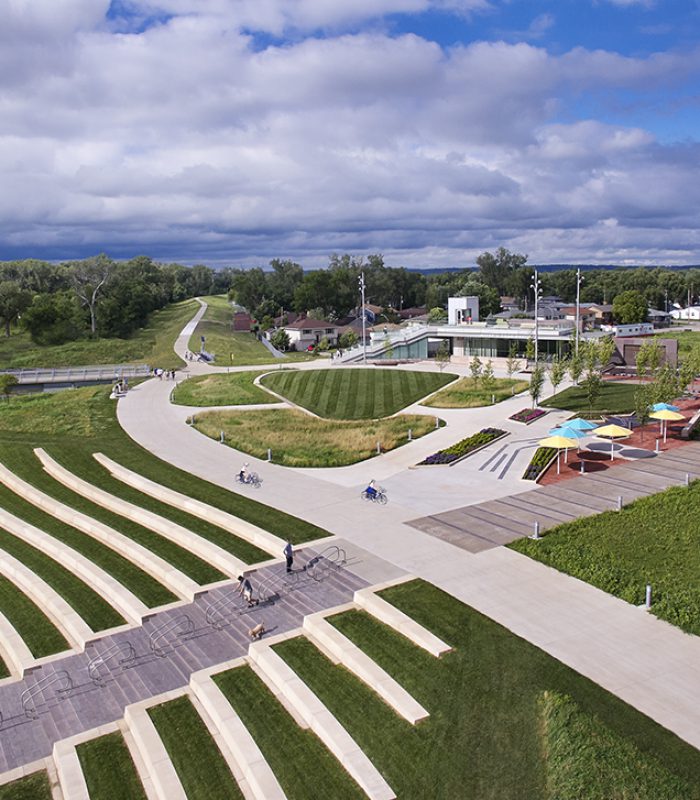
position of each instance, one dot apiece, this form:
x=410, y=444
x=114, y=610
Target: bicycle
x=379, y=495
x=252, y=479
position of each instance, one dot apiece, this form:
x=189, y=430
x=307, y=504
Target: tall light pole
x=578, y=305
x=361, y=281
x=536, y=285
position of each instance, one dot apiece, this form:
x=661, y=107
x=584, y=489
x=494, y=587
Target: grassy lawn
x=151, y=345
x=90, y=605
x=355, y=393
x=236, y=389
x=202, y=770
x=40, y=635
x=33, y=787
x=298, y=440
x=653, y=540
x=72, y=425
x=303, y=764
x=231, y=348
x=465, y=393
x=484, y=739
x=109, y=770
x=614, y=398
x=686, y=339
x=146, y=588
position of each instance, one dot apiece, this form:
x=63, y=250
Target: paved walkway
x=496, y=522
x=77, y=693
x=643, y=660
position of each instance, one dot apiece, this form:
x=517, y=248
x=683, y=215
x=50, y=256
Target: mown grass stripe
x=303, y=766
x=202, y=769
x=140, y=583
x=109, y=770
x=90, y=605
x=25, y=464
x=40, y=635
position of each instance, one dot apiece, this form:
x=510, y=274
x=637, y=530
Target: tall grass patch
x=466, y=393
x=299, y=440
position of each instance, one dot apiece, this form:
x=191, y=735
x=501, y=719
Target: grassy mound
x=299, y=440
x=614, y=398
x=355, y=393
x=466, y=393
x=653, y=540
x=236, y=389
x=586, y=761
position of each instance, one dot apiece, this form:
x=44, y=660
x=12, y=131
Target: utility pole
x=537, y=286
x=361, y=281
x=578, y=305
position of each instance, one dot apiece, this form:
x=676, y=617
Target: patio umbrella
x=664, y=407
x=578, y=424
x=569, y=433
x=612, y=432
x=664, y=415
x=559, y=443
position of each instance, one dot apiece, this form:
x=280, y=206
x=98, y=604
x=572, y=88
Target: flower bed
x=465, y=447
x=540, y=461
x=528, y=415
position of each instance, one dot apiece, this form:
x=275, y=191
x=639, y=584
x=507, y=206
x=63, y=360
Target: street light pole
x=361, y=281
x=536, y=285
x=578, y=305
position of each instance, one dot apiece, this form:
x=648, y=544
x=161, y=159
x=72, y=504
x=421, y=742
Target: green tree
x=496, y=269
x=606, y=350
x=13, y=301
x=89, y=278
x=6, y=384
x=347, y=340
x=437, y=314
x=630, y=307
x=530, y=349
x=280, y=340
x=536, y=384
x=55, y=319
x=487, y=379
x=442, y=356
x=476, y=367
x=642, y=405
x=557, y=372
x=575, y=366
x=512, y=362
x=592, y=381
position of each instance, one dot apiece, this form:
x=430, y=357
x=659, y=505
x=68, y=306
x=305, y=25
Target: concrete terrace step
x=149, y=562
x=238, y=527
x=342, y=651
x=321, y=722
x=187, y=539
x=70, y=773
x=15, y=653
x=90, y=573
x=261, y=781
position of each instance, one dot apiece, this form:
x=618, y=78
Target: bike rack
x=28, y=696
x=218, y=611
x=123, y=649
x=331, y=558
x=270, y=585
x=184, y=622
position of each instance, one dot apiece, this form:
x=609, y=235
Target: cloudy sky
x=235, y=131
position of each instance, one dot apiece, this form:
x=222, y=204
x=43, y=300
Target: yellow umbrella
x=612, y=432
x=664, y=415
x=559, y=443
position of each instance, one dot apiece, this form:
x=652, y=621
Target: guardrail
x=27, y=375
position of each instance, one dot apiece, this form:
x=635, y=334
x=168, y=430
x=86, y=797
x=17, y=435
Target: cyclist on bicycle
x=243, y=474
x=371, y=489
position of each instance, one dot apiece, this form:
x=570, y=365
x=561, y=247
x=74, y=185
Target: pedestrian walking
x=245, y=590
x=289, y=555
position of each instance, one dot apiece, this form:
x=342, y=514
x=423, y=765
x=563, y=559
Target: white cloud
x=184, y=141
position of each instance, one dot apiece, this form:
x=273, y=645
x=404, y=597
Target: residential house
x=586, y=319
x=305, y=332
x=691, y=312
x=603, y=313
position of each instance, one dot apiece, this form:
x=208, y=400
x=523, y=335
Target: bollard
x=619, y=503
x=221, y=437
x=379, y=448
x=493, y=399
x=687, y=479
x=536, y=534
x=269, y=454
x=410, y=434
x=657, y=446
x=583, y=467
x=647, y=599
x=437, y=423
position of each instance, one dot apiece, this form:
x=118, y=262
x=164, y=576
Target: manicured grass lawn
x=90, y=605
x=466, y=394
x=109, y=770
x=151, y=345
x=355, y=393
x=72, y=425
x=146, y=588
x=217, y=328
x=40, y=635
x=34, y=787
x=654, y=540
x=302, y=765
x=614, y=398
x=299, y=440
x=484, y=738
x=202, y=770
x=236, y=389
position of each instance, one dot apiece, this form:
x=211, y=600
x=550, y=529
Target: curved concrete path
x=643, y=660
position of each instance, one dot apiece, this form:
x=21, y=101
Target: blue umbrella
x=578, y=424
x=569, y=432
x=664, y=407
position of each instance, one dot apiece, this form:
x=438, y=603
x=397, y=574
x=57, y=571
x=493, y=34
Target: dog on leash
x=257, y=631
